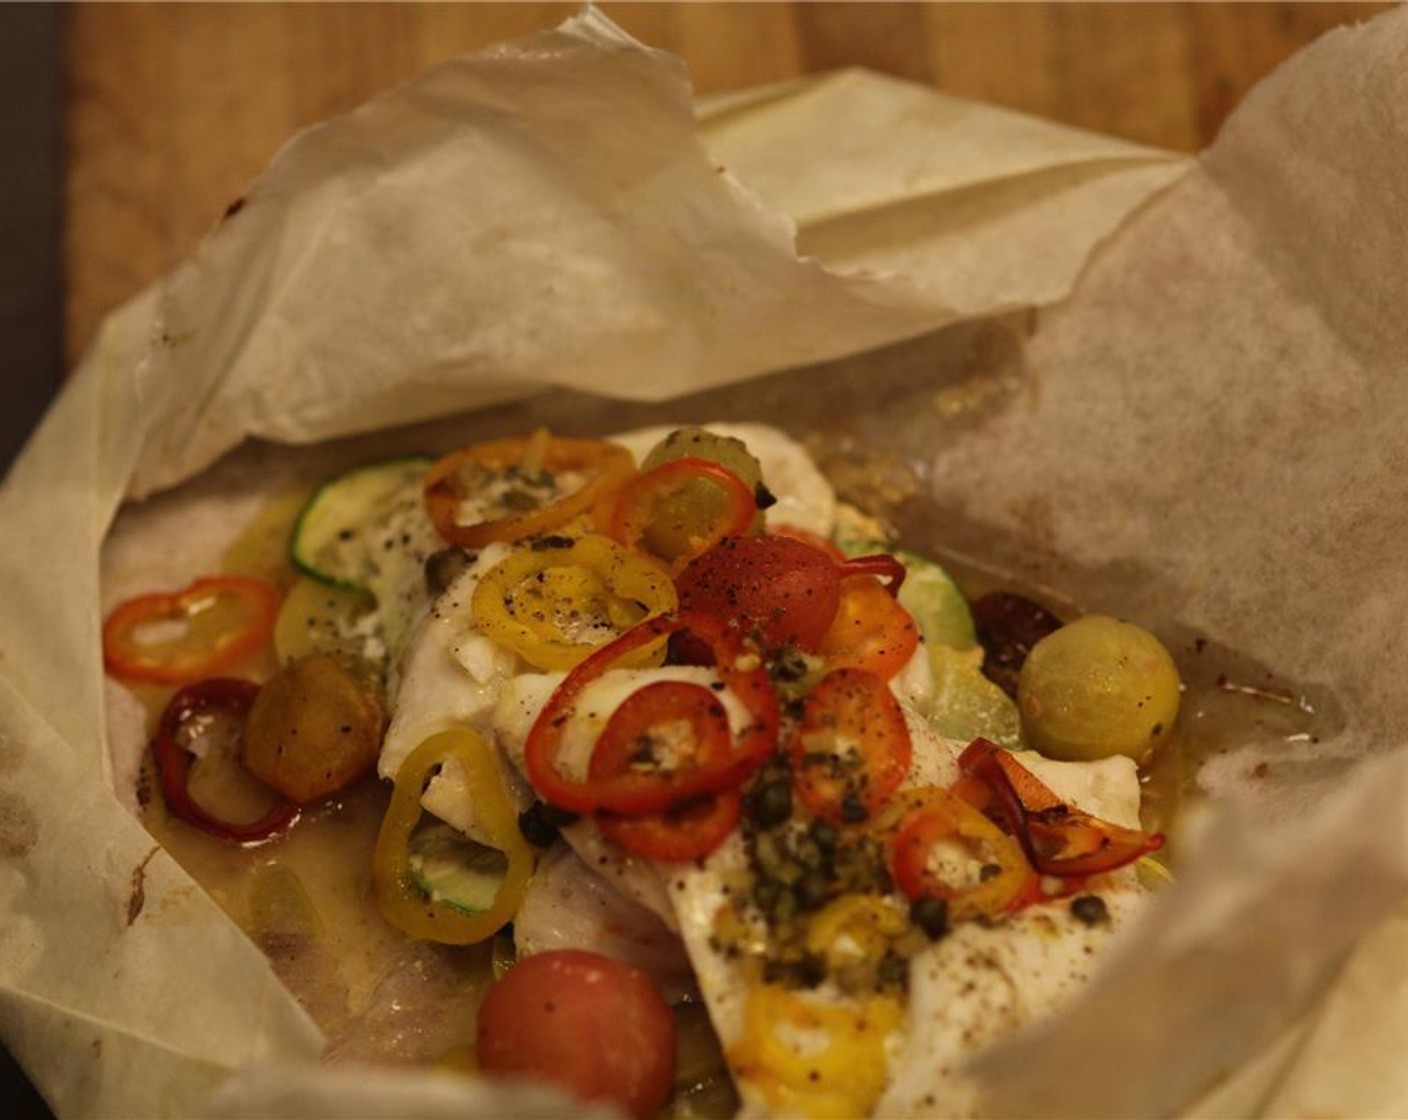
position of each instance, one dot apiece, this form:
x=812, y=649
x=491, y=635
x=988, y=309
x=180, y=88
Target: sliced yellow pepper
x=855, y=925
x=400, y=900
x=820, y=1060
x=555, y=605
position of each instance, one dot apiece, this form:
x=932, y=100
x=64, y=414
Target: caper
x=824, y=835
x=537, y=827
x=893, y=971
x=930, y=914
x=1098, y=687
x=444, y=567
x=1090, y=909
x=813, y=891
x=771, y=803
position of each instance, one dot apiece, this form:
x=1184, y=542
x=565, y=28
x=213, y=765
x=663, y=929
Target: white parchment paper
x=1215, y=406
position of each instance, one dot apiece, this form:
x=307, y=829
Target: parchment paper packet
x=470, y=237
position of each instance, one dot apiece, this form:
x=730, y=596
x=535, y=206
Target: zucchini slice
x=368, y=531
x=343, y=530
x=451, y=868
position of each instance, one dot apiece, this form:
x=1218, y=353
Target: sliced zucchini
x=318, y=618
x=930, y=595
x=344, y=527
x=451, y=868
x=966, y=704
x=367, y=530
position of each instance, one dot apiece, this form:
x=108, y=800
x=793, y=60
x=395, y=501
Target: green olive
x=701, y=502
x=699, y=443
x=1098, y=687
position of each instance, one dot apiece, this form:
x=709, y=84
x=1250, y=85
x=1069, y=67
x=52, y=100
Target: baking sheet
x=1187, y=430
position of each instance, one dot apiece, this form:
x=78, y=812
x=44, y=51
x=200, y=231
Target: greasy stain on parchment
x=19, y=828
x=137, y=898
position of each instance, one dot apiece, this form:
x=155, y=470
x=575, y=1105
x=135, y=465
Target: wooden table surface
x=172, y=109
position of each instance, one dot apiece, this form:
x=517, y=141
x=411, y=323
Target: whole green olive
x=702, y=501
x=1098, y=687
x=700, y=443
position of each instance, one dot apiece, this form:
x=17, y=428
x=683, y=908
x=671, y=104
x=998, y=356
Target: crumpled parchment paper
x=1204, y=430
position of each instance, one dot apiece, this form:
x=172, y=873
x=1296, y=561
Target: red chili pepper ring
x=219, y=695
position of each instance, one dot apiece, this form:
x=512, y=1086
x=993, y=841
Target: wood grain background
x=172, y=109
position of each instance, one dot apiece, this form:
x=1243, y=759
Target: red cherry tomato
x=595, y=1027
x=781, y=587
x=806, y=536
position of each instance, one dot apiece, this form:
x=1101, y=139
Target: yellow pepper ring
x=400, y=900
x=843, y=1076
x=530, y=600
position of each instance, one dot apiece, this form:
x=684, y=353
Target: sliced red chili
x=203, y=630
x=658, y=724
x=652, y=728
x=202, y=700
x=884, y=567
x=870, y=631
x=1058, y=838
x=780, y=588
x=935, y=818
x=635, y=791
x=681, y=508
x=690, y=830
x=852, y=748
x=526, y=463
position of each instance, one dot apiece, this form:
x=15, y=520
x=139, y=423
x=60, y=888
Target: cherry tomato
x=806, y=536
x=595, y=1027
x=781, y=587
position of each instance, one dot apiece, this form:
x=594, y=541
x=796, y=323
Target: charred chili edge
x=1035, y=810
